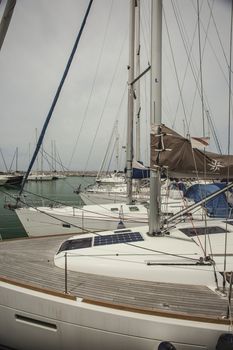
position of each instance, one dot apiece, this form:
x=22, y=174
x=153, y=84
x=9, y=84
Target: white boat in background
x=111, y=179
x=106, y=194
x=57, y=175
x=10, y=179
x=40, y=177
x=3, y=179
x=42, y=221
x=96, y=194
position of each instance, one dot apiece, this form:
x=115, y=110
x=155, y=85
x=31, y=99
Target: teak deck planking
x=29, y=262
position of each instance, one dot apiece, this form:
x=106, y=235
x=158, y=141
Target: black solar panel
x=80, y=243
x=230, y=222
x=193, y=231
x=118, y=238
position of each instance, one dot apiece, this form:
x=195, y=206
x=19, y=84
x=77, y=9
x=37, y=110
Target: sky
x=37, y=47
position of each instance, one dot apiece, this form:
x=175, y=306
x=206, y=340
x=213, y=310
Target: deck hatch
x=118, y=238
x=76, y=244
x=193, y=231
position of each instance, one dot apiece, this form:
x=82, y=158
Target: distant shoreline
x=67, y=173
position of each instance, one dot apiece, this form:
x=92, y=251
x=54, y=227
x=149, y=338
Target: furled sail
x=171, y=151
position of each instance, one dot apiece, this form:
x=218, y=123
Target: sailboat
x=142, y=288
x=104, y=210
x=118, y=193
x=9, y=177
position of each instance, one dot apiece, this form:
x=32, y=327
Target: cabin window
x=122, y=230
x=134, y=208
x=192, y=231
x=76, y=244
x=114, y=209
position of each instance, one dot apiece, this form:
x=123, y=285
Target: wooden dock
x=29, y=262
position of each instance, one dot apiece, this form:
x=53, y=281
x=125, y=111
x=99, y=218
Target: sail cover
x=140, y=171
x=218, y=207
x=175, y=153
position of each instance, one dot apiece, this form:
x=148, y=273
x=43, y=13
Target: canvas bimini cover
x=173, y=152
x=219, y=207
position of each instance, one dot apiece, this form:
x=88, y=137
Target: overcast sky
x=36, y=49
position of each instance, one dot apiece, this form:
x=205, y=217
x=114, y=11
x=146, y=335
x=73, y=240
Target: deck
x=29, y=262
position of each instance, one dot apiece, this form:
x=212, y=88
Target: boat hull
x=37, y=223
x=39, y=321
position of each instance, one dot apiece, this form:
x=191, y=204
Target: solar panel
x=118, y=238
x=193, y=231
x=230, y=222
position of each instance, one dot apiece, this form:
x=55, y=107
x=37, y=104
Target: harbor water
x=55, y=192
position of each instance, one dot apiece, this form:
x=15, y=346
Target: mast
x=42, y=159
x=52, y=157
x=37, y=160
x=155, y=110
x=137, y=84
x=117, y=146
x=129, y=147
x=16, y=159
x=55, y=155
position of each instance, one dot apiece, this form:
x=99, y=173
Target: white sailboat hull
x=43, y=221
x=51, y=221
x=34, y=320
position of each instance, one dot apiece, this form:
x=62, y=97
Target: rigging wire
x=108, y=149
x=11, y=165
x=111, y=155
x=190, y=61
x=207, y=113
x=188, y=53
x=40, y=140
x=213, y=131
x=111, y=137
x=175, y=68
x=4, y=160
x=93, y=85
x=201, y=75
x=145, y=15
x=105, y=104
x=145, y=31
x=229, y=131
x=219, y=38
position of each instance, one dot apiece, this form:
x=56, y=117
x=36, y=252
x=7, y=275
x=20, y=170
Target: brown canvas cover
x=173, y=152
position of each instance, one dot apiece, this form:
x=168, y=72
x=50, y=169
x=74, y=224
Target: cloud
x=34, y=55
